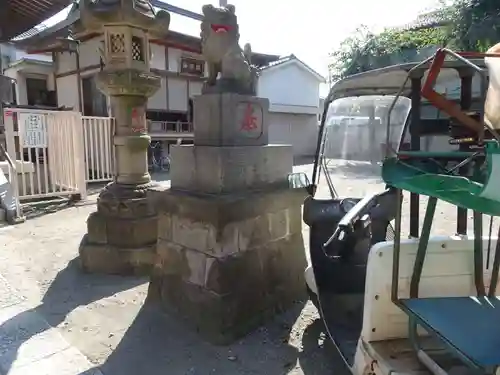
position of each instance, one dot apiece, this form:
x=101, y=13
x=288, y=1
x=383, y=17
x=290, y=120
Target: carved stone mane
x=220, y=47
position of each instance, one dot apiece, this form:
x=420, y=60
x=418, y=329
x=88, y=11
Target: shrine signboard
x=34, y=130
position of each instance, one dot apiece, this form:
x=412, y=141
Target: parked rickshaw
x=421, y=304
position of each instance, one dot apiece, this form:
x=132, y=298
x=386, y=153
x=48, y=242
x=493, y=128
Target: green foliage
x=476, y=24
x=365, y=51
x=470, y=25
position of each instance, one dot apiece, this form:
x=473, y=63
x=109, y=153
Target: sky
x=309, y=29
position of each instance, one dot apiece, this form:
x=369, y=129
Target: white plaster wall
x=290, y=85
x=42, y=57
x=66, y=62
x=30, y=71
x=21, y=93
x=298, y=130
x=21, y=90
x=177, y=94
x=157, y=56
x=89, y=52
x=159, y=99
x=195, y=88
x=174, y=57
x=67, y=92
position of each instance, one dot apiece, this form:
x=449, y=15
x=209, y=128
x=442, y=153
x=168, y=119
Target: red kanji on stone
x=249, y=121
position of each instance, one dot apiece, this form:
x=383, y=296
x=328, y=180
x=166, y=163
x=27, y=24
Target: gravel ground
x=105, y=319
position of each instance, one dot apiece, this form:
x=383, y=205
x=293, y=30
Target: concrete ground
x=56, y=320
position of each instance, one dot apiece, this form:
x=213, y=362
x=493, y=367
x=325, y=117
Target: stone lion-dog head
x=219, y=32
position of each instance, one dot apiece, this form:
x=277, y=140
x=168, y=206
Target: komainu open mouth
x=220, y=28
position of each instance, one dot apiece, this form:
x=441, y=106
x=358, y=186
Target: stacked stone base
x=226, y=263
x=122, y=234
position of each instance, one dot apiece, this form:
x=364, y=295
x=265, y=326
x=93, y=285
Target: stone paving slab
x=29, y=345
x=8, y=296
x=66, y=362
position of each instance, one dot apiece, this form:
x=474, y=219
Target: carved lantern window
x=126, y=47
x=137, y=49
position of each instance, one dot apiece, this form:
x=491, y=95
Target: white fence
x=56, y=153
x=98, y=145
x=47, y=148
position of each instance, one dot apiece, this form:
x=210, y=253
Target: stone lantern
x=121, y=234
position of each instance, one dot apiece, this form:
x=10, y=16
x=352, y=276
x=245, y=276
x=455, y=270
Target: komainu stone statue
x=219, y=40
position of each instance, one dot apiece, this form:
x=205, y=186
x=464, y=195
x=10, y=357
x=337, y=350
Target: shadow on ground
x=69, y=290
x=41, y=208
x=156, y=343
x=319, y=356
x=303, y=160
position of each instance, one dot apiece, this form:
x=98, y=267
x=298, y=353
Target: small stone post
x=230, y=247
x=121, y=234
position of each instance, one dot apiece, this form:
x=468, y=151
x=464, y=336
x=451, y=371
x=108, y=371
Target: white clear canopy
x=356, y=128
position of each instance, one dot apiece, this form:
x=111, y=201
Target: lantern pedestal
x=121, y=235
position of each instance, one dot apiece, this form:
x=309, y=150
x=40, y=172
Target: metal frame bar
x=478, y=254
x=416, y=103
x=465, y=104
x=397, y=248
x=447, y=106
x=495, y=268
x=423, y=242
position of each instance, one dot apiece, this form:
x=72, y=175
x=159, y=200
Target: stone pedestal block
x=226, y=263
x=218, y=170
x=122, y=234
x=230, y=119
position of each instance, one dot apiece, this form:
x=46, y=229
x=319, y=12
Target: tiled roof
x=182, y=23
x=182, y=20
x=437, y=17
x=21, y=16
x=285, y=59
x=31, y=32
x=280, y=61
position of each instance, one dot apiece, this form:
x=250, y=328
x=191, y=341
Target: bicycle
x=159, y=162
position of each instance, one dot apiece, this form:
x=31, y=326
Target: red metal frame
x=439, y=100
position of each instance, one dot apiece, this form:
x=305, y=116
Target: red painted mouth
x=220, y=28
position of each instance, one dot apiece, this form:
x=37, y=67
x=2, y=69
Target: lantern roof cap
x=139, y=13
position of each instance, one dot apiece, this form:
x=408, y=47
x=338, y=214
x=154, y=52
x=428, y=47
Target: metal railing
x=98, y=148
x=169, y=127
